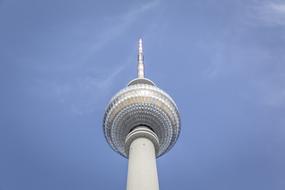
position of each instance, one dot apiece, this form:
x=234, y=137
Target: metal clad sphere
x=141, y=104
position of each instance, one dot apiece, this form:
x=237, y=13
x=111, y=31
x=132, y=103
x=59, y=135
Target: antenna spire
x=140, y=60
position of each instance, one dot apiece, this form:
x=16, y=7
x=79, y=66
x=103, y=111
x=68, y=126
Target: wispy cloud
x=82, y=93
x=271, y=90
x=217, y=64
x=79, y=94
x=271, y=12
x=123, y=22
x=86, y=92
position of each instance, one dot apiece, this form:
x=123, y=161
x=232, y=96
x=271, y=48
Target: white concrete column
x=142, y=171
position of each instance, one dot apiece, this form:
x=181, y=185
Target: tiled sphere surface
x=141, y=104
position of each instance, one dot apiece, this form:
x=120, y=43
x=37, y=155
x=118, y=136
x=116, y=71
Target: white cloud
x=271, y=12
x=278, y=7
x=79, y=95
x=271, y=92
x=87, y=91
x=217, y=64
x=123, y=22
x=82, y=93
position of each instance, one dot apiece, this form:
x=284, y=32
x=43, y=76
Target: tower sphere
x=141, y=103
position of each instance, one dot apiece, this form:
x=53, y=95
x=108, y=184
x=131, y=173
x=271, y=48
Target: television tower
x=141, y=123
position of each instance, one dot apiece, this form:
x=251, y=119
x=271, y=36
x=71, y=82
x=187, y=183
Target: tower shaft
x=142, y=171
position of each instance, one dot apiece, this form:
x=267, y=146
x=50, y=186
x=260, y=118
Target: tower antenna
x=140, y=60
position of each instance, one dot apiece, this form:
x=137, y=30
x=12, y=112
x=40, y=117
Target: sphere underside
x=141, y=105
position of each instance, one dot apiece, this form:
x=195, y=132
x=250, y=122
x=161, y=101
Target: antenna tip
x=140, y=45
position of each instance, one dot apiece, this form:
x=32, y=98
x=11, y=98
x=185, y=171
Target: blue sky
x=222, y=61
